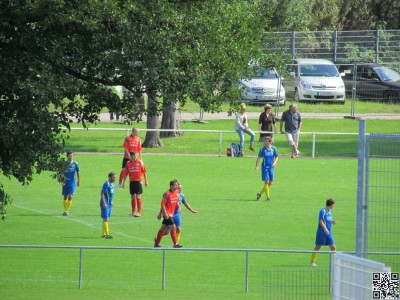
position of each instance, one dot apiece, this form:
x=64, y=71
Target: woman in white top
x=242, y=126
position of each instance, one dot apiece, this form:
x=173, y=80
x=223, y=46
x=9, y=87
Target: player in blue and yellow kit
x=324, y=233
x=69, y=184
x=106, y=203
x=269, y=154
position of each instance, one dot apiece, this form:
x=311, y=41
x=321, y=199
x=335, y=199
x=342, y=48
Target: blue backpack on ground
x=235, y=149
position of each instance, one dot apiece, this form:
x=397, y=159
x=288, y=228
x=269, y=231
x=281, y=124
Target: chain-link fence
x=378, y=209
x=378, y=46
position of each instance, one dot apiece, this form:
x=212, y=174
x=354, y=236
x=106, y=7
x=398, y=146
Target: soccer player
x=169, y=202
x=324, y=233
x=69, y=184
x=177, y=213
x=106, y=203
x=269, y=154
x=132, y=143
x=136, y=171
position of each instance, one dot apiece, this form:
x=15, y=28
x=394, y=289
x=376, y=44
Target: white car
x=264, y=87
x=315, y=80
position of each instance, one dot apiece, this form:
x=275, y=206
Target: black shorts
x=169, y=221
x=135, y=187
x=124, y=161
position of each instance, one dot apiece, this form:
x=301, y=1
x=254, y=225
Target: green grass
x=222, y=189
x=208, y=143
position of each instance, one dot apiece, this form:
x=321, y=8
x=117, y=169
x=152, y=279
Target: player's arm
x=257, y=162
x=300, y=123
x=322, y=223
x=103, y=199
x=187, y=205
x=160, y=213
x=146, y=183
x=164, y=211
x=78, y=176
x=123, y=176
x=273, y=165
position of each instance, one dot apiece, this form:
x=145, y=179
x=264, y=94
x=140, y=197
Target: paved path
x=185, y=116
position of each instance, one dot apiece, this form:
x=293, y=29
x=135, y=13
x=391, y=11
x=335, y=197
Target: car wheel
x=392, y=96
x=296, y=95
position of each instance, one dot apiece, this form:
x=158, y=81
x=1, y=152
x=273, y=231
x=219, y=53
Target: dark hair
x=132, y=153
x=172, y=182
x=268, y=138
x=111, y=174
x=69, y=152
x=330, y=202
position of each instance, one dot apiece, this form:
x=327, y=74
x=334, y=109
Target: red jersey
x=135, y=170
x=170, y=200
x=132, y=143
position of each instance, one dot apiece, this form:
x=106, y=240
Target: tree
x=59, y=59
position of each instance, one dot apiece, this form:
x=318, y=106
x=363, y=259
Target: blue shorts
x=177, y=220
x=105, y=212
x=68, y=189
x=324, y=239
x=267, y=174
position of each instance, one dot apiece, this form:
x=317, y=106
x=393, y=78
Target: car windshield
x=267, y=73
x=319, y=71
x=387, y=74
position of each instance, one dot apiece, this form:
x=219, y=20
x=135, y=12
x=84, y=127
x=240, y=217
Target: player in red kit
x=136, y=170
x=168, y=204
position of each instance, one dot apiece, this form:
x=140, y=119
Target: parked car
x=313, y=80
x=265, y=87
x=372, y=82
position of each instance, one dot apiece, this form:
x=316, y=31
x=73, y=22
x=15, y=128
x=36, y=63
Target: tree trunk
x=152, y=139
x=170, y=120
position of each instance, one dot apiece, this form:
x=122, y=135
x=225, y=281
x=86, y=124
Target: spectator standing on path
x=69, y=184
x=269, y=154
x=267, y=122
x=242, y=127
x=324, y=232
x=132, y=143
x=106, y=203
x=169, y=202
x=292, y=120
x=136, y=170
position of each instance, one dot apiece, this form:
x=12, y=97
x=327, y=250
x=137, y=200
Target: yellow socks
x=105, y=230
x=65, y=205
x=178, y=237
x=266, y=190
x=313, y=257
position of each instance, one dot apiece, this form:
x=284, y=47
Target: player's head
x=70, y=155
x=267, y=107
x=268, y=140
x=132, y=155
x=135, y=131
x=292, y=107
x=173, y=184
x=242, y=107
x=330, y=202
x=112, y=176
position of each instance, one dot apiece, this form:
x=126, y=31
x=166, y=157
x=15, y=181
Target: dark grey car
x=372, y=82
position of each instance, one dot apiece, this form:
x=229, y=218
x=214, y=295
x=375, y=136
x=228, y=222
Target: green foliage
x=66, y=55
x=5, y=199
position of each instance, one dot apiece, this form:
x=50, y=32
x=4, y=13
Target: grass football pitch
x=222, y=189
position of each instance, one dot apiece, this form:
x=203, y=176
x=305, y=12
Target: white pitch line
x=74, y=219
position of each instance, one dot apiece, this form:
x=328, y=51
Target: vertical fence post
x=247, y=271
x=163, y=269
x=220, y=143
x=313, y=145
x=80, y=267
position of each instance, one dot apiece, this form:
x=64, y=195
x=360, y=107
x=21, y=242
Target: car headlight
x=305, y=84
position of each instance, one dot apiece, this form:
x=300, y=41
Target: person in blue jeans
x=242, y=127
